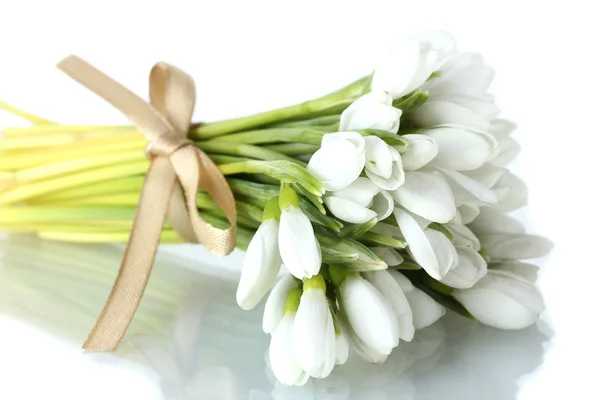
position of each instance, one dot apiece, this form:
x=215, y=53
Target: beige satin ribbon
x=177, y=170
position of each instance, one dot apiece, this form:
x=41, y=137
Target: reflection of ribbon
x=174, y=159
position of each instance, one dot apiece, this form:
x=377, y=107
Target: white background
x=248, y=56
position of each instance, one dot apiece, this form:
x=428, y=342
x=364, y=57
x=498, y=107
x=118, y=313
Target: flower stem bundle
x=384, y=204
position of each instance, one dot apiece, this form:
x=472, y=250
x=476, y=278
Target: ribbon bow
x=177, y=170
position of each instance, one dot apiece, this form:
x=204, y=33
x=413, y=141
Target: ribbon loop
x=177, y=170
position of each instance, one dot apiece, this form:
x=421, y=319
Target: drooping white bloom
x=421, y=150
x=461, y=149
x=261, y=265
x=459, y=95
x=425, y=310
x=383, y=164
x=427, y=195
x=369, y=315
x=526, y=271
x=339, y=161
x=374, y=110
x=299, y=248
x=389, y=288
x=502, y=300
x=313, y=335
x=284, y=367
x=360, y=202
x=470, y=269
x=412, y=63
x=276, y=302
x=508, y=246
x=431, y=249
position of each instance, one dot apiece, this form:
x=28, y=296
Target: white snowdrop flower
x=374, y=110
x=339, y=161
x=527, y=271
x=510, y=246
x=389, y=288
x=502, y=300
x=427, y=195
x=299, y=248
x=460, y=149
x=368, y=313
x=463, y=236
x=421, y=150
x=283, y=364
x=262, y=261
x=459, y=95
x=383, y=164
x=342, y=344
x=470, y=269
x=313, y=334
x=407, y=67
x=276, y=301
x=490, y=220
x=360, y=202
x=426, y=311
x=431, y=249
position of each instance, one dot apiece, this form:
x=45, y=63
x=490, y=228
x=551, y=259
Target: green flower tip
x=316, y=282
x=292, y=302
x=338, y=274
x=288, y=198
x=272, y=210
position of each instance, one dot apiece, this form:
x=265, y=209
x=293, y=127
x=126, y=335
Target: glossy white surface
x=192, y=340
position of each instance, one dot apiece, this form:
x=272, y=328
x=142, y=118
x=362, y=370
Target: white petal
x=297, y=245
x=441, y=41
x=472, y=187
x=506, y=246
x=480, y=106
x=371, y=111
x=445, y=252
x=491, y=220
x=508, y=150
x=468, y=212
x=349, y=211
x=421, y=150
x=285, y=369
x=383, y=205
x=427, y=195
x=471, y=268
x=488, y=174
x=261, y=265
x=459, y=149
x=443, y=112
x=426, y=311
x=396, y=180
x=276, y=302
x=517, y=192
x=390, y=256
x=369, y=314
x=418, y=243
x=389, y=288
x=339, y=161
x=388, y=230
x=378, y=157
x=501, y=128
x=527, y=271
x=311, y=333
x=361, y=191
x=396, y=73
x=342, y=345
x=503, y=301
x=463, y=236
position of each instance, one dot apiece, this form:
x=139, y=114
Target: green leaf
x=361, y=258
x=316, y=217
x=407, y=266
x=317, y=201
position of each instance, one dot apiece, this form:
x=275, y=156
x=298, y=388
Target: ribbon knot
x=177, y=170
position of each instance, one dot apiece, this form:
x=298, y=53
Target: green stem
x=244, y=150
x=332, y=103
x=275, y=135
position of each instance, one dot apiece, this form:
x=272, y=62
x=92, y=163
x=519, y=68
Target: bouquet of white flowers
x=382, y=204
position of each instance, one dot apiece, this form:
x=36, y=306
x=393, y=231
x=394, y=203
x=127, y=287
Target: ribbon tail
x=139, y=258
